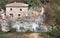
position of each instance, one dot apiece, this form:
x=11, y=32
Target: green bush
x=28, y=31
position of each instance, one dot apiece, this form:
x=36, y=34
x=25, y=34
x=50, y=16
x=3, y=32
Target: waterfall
x=30, y=11
x=42, y=17
x=42, y=11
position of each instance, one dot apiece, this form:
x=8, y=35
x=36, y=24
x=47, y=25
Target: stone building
x=15, y=10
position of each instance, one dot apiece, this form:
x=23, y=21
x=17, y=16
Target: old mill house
x=15, y=10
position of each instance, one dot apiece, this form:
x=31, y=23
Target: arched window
x=20, y=9
x=18, y=14
x=11, y=15
x=11, y=9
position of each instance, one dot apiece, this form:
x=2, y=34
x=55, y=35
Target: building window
x=20, y=9
x=18, y=14
x=11, y=9
x=11, y=15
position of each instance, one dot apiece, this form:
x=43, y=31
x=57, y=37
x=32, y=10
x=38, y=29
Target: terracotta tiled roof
x=17, y=4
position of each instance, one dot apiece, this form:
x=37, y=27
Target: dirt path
x=35, y=35
x=23, y=35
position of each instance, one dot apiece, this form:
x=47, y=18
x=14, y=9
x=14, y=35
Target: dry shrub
x=49, y=13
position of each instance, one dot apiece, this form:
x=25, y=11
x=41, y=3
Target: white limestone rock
x=5, y=26
x=34, y=26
